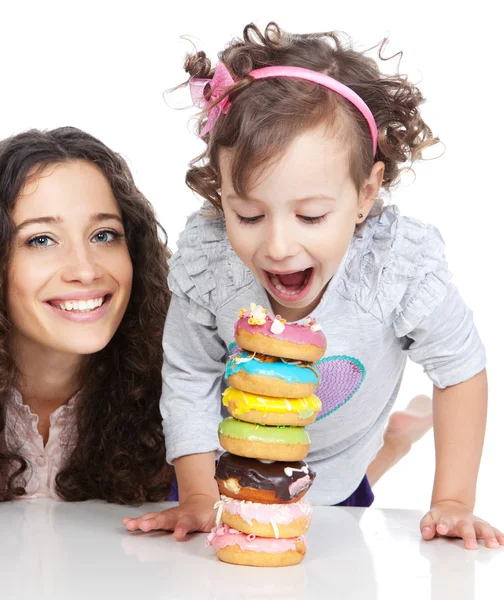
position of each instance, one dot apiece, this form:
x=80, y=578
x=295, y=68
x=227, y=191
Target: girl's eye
x=312, y=220
x=106, y=236
x=248, y=220
x=40, y=241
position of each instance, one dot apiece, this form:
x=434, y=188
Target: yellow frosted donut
x=269, y=410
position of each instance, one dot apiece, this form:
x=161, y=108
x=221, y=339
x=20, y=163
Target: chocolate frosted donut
x=270, y=483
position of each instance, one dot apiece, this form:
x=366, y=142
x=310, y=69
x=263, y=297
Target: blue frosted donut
x=262, y=374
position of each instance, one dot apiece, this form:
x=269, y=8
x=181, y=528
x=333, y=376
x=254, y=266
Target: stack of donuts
x=262, y=478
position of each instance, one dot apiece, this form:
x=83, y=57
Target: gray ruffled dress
x=391, y=298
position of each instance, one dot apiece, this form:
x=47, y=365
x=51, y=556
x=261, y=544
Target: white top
x=22, y=436
x=391, y=299
x=80, y=551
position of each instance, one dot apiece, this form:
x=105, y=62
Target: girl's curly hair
x=265, y=115
x=120, y=452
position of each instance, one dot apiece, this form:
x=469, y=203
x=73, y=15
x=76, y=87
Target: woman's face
x=69, y=281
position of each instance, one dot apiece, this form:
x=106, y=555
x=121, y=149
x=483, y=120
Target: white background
x=103, y=67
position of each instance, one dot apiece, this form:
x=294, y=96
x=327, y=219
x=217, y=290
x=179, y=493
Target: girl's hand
x=454, y=519
x=197, y=513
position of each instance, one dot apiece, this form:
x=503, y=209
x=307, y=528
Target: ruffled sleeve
x=205, y=269
x=396, y=270
x=205, y=273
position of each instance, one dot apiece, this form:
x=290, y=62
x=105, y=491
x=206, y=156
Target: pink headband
x=222, y=80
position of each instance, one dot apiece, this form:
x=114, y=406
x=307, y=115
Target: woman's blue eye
x=40, y=241
x=105, y=237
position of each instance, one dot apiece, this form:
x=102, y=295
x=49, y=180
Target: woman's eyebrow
x=51, y=220
x=106, y=217
x=38, y=220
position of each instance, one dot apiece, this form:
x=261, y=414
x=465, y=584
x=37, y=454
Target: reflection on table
x=62, y=551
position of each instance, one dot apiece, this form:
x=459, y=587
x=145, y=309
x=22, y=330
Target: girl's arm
x=459, y=429
x=436, y=329
x=193, y=371
x=198, y=493
x=195, y=476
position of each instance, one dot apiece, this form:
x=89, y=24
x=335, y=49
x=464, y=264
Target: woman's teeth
x=81, y=305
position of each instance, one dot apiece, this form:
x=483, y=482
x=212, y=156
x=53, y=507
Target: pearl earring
x=361, y=216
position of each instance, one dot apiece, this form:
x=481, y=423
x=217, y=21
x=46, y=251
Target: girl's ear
x=370, y=190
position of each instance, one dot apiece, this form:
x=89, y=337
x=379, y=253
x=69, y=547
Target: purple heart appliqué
x=341, y=377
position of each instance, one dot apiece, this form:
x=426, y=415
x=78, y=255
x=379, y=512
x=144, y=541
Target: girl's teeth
x=276, y=283
x=81, y=305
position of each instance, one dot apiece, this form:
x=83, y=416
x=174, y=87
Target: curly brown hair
x=120, y=451
x=267, y=114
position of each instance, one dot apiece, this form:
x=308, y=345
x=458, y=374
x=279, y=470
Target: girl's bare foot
x=404, y=428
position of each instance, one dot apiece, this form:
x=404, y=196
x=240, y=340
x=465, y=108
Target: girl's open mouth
x=290, y=287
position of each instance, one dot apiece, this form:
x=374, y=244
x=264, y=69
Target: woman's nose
x=81, y=266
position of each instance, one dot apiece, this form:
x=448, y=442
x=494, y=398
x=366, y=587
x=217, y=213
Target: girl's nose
x=81, y=267
x=281, y=242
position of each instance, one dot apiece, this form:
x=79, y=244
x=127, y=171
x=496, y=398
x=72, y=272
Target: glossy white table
x=65, y=551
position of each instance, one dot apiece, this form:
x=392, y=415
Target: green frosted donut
x=254, y=432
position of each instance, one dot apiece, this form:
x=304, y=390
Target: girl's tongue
x=292, y=279
x=291, y=286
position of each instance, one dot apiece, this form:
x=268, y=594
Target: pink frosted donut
x=265, y=520
x=233, y=546
x=258, y=331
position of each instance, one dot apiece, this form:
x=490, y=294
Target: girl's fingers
x=184, y=525
x=162, y=520
x=487, y=533
x=132, y=524
x=465, y=530
x=465, y=526
x=151, y=520
x=444, y=526
x=500, y=536
x=428, y=527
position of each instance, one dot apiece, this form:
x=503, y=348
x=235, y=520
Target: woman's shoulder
x=395, y=261
x=205, y=268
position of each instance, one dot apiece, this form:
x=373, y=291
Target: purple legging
x=362, y=496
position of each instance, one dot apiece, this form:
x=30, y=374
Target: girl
x=302, y=133
x=83, y=301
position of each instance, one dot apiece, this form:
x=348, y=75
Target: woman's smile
x=81, y=308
